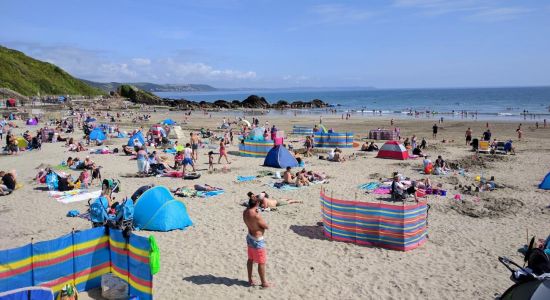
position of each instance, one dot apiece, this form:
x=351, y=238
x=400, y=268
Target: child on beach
x=211, y=161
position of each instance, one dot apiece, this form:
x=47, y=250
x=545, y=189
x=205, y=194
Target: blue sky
x=232, y=43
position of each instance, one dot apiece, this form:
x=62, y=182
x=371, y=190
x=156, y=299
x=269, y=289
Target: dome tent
x=156, y=209
x=545, y=184
x=280, y=157
x=393, y=150
x=137, y=136
x=97, y=135
x=169, y=122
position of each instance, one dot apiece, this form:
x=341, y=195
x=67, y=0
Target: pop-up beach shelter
x=545, y=184
x=280, y=157
x=156, y=209
x=97, y=135
x=137, y=136
x=168, y=122
x=393, y=150
x=32, y=121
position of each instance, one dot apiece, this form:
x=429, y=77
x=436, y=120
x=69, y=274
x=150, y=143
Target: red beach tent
x=393, y=150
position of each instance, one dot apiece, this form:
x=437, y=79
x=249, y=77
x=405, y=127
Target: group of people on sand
x=301, y=178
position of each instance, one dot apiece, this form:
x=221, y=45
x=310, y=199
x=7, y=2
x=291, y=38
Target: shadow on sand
x=211, y=279
x=312, y=232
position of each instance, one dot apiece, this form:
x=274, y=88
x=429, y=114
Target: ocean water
x=489, y=103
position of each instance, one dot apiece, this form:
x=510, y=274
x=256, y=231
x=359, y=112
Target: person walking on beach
x=468, y=136
x=223, y=152
x=256, y=247
x=195, y=146
x=434, y=130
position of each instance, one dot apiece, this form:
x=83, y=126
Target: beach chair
x=484, y=147
x=501, y=148
x=125, y=215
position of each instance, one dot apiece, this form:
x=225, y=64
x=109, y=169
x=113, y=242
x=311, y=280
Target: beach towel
x=382, y=191
x=74, y=195
x=246, y=178
x=170, y=151
x=283, y=187
x=61, y=168
x=209, y=193
x=369, y=186
x=291, y=187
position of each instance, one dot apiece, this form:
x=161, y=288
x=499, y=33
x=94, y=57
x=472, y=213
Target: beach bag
x=52, y=181
x=154, y=256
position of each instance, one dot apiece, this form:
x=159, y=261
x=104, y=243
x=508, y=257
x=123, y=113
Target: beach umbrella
x=533, y=290
x=244, y=122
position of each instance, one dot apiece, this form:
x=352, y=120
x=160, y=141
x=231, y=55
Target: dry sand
x=207, y=261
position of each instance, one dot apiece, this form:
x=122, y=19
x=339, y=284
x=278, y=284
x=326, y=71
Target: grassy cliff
x=31, y=77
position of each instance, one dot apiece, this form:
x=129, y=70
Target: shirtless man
x=288, y=178
x=266, y=202
x=195, y=145
x=255, y=240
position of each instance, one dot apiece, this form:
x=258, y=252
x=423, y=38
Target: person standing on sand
x=468, y=136
x=255, y=242
x=223, y=152
x=434, y=131
x=195, y=146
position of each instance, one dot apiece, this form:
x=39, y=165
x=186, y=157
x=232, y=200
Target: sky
x=278, y=44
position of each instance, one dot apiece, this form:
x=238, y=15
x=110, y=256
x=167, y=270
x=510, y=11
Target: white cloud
x=500, y=14
x=141, y=61
x=478, y=10
x=339, y=13
x=100, y=66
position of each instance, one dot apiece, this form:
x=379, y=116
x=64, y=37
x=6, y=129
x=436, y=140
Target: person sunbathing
x=338, y=156
x=301, y=180
x=402, y=191
x=365, y=146
x=416, y=151
x=266, y=202
x=314, y=176
x=372, y=147
x=206, y=188
x=288, y=178
x=128, y=150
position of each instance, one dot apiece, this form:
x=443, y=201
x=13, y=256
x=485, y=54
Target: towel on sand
x=246, y=178
x=369, y=186
x=74, y=195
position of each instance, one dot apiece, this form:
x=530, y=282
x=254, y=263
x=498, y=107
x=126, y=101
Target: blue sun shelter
x=280, y=157
x=156, y=209
x=169, y=122
x=136, y=136
x=545, y=184
x=97, y=135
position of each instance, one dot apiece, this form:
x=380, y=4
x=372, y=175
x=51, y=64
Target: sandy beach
x=208, y=260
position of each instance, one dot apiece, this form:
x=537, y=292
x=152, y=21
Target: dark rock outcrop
x=253, y=101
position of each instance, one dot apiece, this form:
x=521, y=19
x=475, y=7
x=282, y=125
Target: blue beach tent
x=168, y=122
x=280, y=157
x=156, y=209
x=545, y=184
x=139, y=136
x=97, y=135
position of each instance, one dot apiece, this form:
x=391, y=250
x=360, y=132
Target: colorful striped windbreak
x=333, y=140
x=252, y=148
x=396, y=227
x=302, y=130
x=79, y=258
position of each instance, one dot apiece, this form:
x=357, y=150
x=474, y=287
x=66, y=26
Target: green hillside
x=31, y=77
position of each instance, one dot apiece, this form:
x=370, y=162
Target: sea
x=512, y=103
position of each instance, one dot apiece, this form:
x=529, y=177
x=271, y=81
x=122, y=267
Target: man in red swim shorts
x=255, y=240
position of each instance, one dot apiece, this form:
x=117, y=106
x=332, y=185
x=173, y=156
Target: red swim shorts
x=257, y=255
